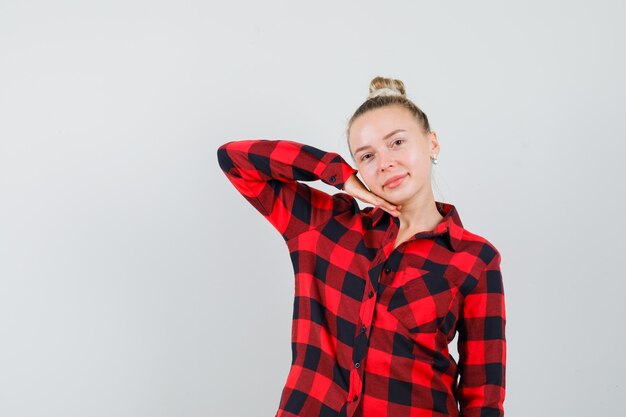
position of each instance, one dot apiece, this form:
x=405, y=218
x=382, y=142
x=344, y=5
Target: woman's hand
x=357, y=189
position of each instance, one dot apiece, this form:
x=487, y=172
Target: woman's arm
x=267, y=174
x=482, y=345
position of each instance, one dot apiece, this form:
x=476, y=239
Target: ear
x=434, y=143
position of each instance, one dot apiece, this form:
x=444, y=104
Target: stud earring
x=433, y=159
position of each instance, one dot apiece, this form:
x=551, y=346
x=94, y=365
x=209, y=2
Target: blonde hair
x=386, y=92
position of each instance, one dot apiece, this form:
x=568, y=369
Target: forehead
x=375, y=124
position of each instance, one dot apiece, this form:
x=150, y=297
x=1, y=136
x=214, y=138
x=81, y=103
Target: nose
x=385, y=161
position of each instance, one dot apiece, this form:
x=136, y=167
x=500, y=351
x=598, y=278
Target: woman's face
x=392, y=154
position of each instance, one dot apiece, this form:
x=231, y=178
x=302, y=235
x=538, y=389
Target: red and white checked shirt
x=372, y=324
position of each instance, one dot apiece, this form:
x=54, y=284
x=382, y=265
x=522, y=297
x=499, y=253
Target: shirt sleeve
x=268, y=174
x=482, y=346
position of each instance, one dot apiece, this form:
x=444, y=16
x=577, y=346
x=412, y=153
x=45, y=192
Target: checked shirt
x=372, y=324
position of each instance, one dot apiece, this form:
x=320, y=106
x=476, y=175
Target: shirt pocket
x=421, y=299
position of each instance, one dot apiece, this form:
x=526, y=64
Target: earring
x=433, y=159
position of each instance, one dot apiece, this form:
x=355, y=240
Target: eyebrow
x=388, y=135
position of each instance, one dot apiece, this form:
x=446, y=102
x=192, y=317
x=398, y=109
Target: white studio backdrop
x=135, y=281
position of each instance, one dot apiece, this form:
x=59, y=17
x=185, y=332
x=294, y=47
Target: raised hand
x=358, y=190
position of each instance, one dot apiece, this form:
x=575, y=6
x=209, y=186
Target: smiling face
x=392, y=153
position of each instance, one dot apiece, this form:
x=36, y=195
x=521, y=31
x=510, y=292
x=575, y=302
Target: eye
x=398, y=142
x=366, y=157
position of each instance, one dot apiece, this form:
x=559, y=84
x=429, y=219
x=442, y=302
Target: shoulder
x=347, y=213
x=480, y=247
x=342, y=203
x=339, y=206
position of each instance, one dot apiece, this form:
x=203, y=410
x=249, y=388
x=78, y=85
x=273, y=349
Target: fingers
x=387, y=206
x=357, y=189
x=377, y=201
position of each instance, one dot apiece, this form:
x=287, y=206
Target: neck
x=420, y=215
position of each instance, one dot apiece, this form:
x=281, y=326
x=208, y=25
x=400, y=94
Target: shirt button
x=387, y=270
x=371, y=294
x=356, y=397
x=333, y=178
x=357, y=365
x=363, y=329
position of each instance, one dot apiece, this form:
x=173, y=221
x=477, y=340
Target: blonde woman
x=380, y=292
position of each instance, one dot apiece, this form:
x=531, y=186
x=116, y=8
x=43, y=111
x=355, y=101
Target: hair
x=386, y=92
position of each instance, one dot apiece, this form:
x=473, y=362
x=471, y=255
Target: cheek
x=422, y=170
x=420, y=163
x=368, y=173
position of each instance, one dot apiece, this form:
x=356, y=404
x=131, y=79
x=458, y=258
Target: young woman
x=380, y=292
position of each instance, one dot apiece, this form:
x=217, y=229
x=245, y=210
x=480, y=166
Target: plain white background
x=135, y=281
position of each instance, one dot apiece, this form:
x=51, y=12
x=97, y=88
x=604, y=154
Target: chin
x=400, y=197
x=397, y=199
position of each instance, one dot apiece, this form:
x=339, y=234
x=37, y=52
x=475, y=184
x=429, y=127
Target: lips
x=394, y=181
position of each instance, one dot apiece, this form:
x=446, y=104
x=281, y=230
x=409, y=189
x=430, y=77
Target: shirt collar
x=450, y=226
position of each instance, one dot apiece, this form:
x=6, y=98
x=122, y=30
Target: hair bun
x=386, y=92
x=381, y=86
